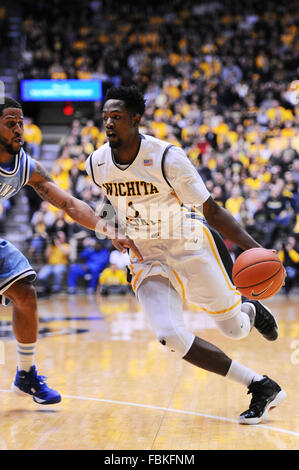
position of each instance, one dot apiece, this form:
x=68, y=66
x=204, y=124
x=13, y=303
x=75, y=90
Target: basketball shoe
x=29, y=383
x=264, y=321
x=266, y=394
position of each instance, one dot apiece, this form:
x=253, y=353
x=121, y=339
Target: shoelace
x=258, y=400
x=36, y=379
x=41, y=379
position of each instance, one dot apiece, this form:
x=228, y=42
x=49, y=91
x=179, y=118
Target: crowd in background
x=4, y=36
x=220, y=81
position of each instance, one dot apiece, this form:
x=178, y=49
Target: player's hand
x=122, y=244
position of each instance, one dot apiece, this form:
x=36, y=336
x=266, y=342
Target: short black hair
x=9, y=103
x=131, y=95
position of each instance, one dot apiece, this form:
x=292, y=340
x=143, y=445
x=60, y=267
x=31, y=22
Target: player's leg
x=266, y=393
x=162, y=305
x=15, y=285
x=25, y=326
x=240, y=325
x=25, y=317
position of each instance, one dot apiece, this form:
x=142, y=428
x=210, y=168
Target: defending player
x=149, y=183
x=16, y=170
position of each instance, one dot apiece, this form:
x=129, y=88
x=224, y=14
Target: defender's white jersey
x=147, y=194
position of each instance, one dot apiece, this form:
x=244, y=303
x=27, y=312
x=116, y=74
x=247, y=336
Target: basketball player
x=16, y=170
x=148, y=181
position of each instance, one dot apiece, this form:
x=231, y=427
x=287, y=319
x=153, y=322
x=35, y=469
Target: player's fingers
x=127, y=243
x=135, y=250
x=121, y=246
x=118, y=245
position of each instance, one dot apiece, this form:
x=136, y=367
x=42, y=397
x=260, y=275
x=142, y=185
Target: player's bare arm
x=222, y=221
x=78, y=210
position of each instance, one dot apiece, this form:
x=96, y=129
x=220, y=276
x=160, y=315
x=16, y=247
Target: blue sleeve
x=28, y=165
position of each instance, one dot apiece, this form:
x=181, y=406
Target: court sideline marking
x=174, y=410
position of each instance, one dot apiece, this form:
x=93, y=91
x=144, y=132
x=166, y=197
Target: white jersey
x=147, y=194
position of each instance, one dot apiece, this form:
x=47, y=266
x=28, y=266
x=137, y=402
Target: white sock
x=25, y=355
x=241, y=374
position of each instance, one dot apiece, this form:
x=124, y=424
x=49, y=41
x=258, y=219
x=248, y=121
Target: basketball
x=258, y=273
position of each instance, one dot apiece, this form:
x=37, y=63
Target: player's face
x=11, y=130
x=120, y=125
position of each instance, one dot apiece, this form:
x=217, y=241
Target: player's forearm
x=222, y=221
x=81, y=213
x=76, y=209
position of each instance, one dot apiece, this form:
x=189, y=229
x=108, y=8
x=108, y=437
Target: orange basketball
x=258, y=273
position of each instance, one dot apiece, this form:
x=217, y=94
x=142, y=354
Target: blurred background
x=220, y=80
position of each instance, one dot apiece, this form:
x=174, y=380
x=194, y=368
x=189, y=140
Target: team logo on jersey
x=130, y=188
x=6, y=190
x=148, y=162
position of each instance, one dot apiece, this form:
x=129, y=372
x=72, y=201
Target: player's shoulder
x=159, y=143
x=26, y=159
x=101, y=151
x=98, y=155
x=23, y=154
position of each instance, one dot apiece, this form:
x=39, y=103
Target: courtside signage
x=61, y=90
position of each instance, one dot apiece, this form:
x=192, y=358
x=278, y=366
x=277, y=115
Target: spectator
x=60, y=176
x=295, y=170
x=94, y=259
x=91, y=130
x=60, y=225
x=32, y=137
x=252, y=204
x=48, y=215
x=289, y=256
x=38, y=240
x=57, y=254
x=278, y=215
x=113, y=281
x=65, y=162
x=218, y=195
x=233, y=203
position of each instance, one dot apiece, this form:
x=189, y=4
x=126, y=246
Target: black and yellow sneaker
x=264, y=321
x=266, y=394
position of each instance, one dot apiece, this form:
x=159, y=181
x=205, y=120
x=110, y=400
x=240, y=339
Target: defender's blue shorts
x=13, y=267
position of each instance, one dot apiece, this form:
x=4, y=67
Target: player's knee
x=23, y=295
x=234, y=328
x=234, y=333
x=176, y=342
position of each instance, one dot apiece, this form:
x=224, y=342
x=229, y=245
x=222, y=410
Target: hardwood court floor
x=122, y=390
